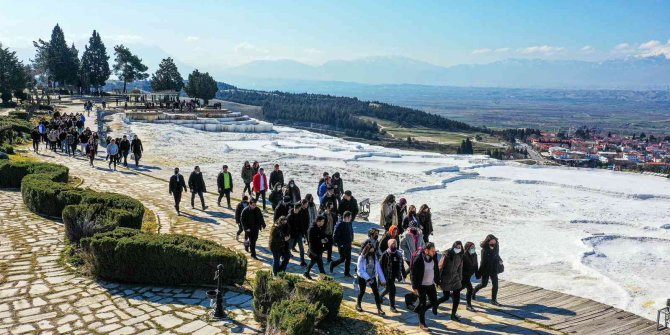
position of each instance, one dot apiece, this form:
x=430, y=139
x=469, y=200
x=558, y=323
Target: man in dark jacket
x=238, y=214
x=137, y=149
x=276, y=177
x=424, y=281
x=338, y=187
x=298, y=221
x=176, y=185
x=253, y=222
x=124, y=147
x=196, y=184
x=36, y=137
x=330, y=197
x=348, y=204
x=343, y=237
x=283, y=208
x=224, y=182
x=317, y=238
x=393, y=267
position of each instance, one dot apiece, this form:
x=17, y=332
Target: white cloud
x=541, y=49
x=248, y=47
x=588, y=49
x=481, y=51
x=312, y=51
x=654, y=48
x=499, y=50
x=622, y=46
x=192, y=38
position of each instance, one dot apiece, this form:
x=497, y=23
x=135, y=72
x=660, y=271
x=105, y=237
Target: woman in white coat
x=369, y=270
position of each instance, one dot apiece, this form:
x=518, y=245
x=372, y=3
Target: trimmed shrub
x=12, y=173
x=294, y=317
x=128, y=255
x=6, y=148
x=87, y=220
x=19, y=115
x=17, y=125
x=268, y=291
x=40, y=194
x=325, y=292
x=134, y=208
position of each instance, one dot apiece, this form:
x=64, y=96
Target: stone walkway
x=216, y=224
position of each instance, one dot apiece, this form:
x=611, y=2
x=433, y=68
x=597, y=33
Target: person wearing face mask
x=373, y=238
x=411, y=242
x=343, y=237
x=451, y=276
x=410, y=220
x=426, y=221
x=317, y=239
x=348, y=204
x=489, y=267
x=331, y=219
x=177, y=183
x=247, y=177
x=389, y=214
x=298, y=223
x=282, y=208
x=196, y=183
x=469, y=268
x=401, y=207
x=394, y=269
x=311, y=209
x=368, y=271
x=260, y=185
x=225, y=184
x=279, y=237
x=391, y=234
x=425, y=275
x=238, y=215
x=338, y=185
x=276, y=177
x=293, y=192
x=276, y=197
x=253, y=222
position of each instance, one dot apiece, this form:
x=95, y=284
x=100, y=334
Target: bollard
x=218, y=310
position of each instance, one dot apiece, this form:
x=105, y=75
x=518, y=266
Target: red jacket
x=257, y=182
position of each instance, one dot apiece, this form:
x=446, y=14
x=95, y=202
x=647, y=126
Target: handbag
x=411, y=301
x=501, y=267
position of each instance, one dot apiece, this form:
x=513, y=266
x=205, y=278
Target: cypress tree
x=167, y=77
x=95, y=63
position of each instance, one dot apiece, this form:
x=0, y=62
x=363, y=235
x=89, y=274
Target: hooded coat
x=451, y=270
x=410, y=243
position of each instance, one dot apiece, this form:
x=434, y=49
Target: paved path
x=528, y=310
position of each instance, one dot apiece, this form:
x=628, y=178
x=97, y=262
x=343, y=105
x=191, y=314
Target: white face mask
x=457, y=250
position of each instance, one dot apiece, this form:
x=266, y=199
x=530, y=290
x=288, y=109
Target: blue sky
x=220, y=34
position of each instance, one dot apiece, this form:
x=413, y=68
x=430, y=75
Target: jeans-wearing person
x=202, y=198
x=485, y=282
x=280, y=261
x=292, y=242
x=261, y=194
x=345, y=257
x=224, y=193
x=426, y=293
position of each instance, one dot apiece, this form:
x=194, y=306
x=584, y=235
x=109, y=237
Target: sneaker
x=205, y=208
x=471, y=309
x=332, y=266
x=306, y=275
x=380, y=312
x=495, y=303
x=359, y=308
x=455, y=317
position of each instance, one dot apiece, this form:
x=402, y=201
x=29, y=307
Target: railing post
x=218, y=311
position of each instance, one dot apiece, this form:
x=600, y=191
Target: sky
x=220, y=34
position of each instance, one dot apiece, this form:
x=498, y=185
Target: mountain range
x=626, y=73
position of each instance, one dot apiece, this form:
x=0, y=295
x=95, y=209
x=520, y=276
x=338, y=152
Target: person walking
x=317, y=239
x=91, y=149
x=283, y=208
x=343, y=237
x=112, y=152
x=247, y=177
x=348, y=204
x=298, y=224
x=451, y=277
x=276, y=197
x=393, y=268
x=369, y=270
x=177, y=184
x=470, y=265
x=196, y=183
x=137, y=150
x=276, y=177
x=224, y=182
x=253, y=222
x=426, y=221
x=124, y=148
x=425, y=275
x=279, y=237
x=329, y=198
x=238, y=216
x=74, y=142
x=410, y=220
x=389, y=215
x=83, y=143
x=312, y=211
x=411, y=243
x=331, y=219
x=36, y=137
x=338, y=186
x=401, y=207
x=260, y=185
x=293, y=192
x=256, y=166
x=489, y=267
x=391, y=234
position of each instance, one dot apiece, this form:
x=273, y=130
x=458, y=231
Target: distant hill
x=628, y=73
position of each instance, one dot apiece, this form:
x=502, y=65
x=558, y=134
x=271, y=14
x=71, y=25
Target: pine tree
x=60, y=61
x=167, y=77
x=201, y=86
x=13, y=77
x=128, y=67
x=95, y=63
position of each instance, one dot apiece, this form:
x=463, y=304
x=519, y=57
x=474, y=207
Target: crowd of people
x=399, y=248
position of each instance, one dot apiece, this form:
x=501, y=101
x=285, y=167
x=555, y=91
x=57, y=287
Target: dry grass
x=149, y=222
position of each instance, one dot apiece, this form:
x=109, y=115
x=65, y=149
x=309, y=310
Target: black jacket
x=124, y=145
x=470, y=265
x=383, y=245
x=418, y=265
x=136, y=146
x=281, y=210
x=426, y=220
x=294, y=194
x=196, y=183
x=177, y=184
x=348, y=205
x=393, y=266
x=343, y=235
x=276, y=177
x=252, y=219
x=337, y=186
x=332, y=198
x=315, y=235
x=238, y=210
x=220, y=182
x=298, y=223
x=490, y=260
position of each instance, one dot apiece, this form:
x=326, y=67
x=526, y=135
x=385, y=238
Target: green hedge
x=12, y=173
x=134, y=208
x=41, y=195
x=86, y=220
x=269, y=290
x=6, y=148
x=294, y=317
x=23, y=115
x=128, y=255
x=17, y=125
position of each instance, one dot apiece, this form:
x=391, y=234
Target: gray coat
x=451, y=271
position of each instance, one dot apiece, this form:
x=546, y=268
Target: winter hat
x=393, y=230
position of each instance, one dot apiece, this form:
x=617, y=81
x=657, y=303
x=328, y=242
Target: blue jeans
x=280, y=262
x=298, y=241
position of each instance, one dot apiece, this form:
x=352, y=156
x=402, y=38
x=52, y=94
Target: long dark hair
x=389, y=198
x=488, y=238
